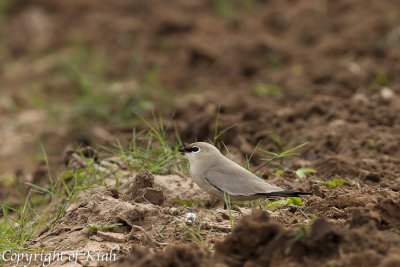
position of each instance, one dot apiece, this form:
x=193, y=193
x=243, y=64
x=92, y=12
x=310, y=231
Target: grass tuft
x=302, y=172
x=268, y=90
x=151, y=150
x=335, y=182
x=290, y=201
x=19, y=227
x=19, y=224
x=218, y=133
x=280, y=155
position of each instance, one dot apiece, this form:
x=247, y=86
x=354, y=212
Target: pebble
x=173, y=211
x=190, y=218
x=387, y=93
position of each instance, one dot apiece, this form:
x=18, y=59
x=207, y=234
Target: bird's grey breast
x=196, y=170
x=199, y=175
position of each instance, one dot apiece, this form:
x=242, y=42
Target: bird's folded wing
x=238, y=182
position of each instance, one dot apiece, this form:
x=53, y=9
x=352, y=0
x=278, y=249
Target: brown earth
x=336, y=227
x=281, y=72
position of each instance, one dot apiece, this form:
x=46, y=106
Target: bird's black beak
x=182, y=150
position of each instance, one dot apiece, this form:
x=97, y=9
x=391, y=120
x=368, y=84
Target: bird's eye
x=195, y=149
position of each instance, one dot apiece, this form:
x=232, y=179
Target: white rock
x=190, y=218
x=173, y=211
x=387, y=93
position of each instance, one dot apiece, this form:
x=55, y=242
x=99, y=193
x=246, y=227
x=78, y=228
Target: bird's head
x=200, y=152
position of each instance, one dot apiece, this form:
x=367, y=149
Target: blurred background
x=278, y=71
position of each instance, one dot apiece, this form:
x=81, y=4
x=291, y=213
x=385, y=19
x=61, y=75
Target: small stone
x=114, y=192
x=292, y=209
x=219, y=218
x=224, y=215
x=190, y=218
x=387, y=93
x=174, y=211
x=373, y=177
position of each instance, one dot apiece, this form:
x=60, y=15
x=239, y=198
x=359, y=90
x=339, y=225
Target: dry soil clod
x=142, y=189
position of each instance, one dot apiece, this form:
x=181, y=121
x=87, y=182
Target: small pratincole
x=216, y=174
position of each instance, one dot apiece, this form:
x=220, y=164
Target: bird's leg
x=233, y=207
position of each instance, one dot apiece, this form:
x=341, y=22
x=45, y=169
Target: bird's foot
x=233, y=207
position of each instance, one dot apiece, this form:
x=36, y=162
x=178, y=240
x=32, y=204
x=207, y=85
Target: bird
x=219, y=176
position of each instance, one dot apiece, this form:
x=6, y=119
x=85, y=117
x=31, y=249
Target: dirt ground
x=277, y=72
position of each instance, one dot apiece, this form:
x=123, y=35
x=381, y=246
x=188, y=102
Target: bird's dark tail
x=285, y=193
